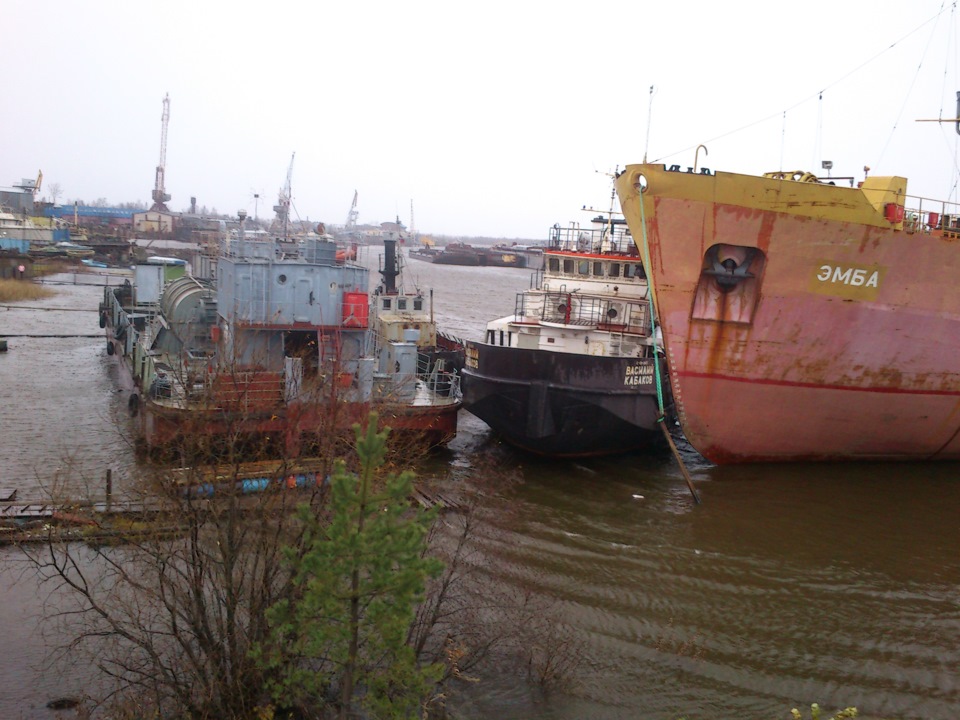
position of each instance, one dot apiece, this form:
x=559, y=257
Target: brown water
x=790, y=584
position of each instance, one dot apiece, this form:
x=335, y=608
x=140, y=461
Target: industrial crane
x=160, y=196
x=282, y=208
x=353, y=214
x=31, y=186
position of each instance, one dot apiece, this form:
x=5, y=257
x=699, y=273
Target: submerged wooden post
x=109, y=488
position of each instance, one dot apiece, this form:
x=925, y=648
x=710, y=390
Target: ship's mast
x=160, y=196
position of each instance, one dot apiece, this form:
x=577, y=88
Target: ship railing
x=567, y=308
x=251, y=248
x=574, y=238
x=925, y=215
x=438, y=380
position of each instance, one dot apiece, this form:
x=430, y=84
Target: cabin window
x=418, y=303
x=598, y=269
x=281, y=279
x=633, y=271
x=401, y=303
x=386, y=303
x=614, y=270
x=568, y=266
x=553, y=264
x=583, y=267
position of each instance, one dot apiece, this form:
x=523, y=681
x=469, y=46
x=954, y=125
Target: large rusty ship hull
x=803, y=320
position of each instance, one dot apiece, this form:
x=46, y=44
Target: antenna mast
x=160, y=196
x=649, y=115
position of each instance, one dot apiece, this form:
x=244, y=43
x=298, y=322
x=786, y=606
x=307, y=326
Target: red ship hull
x=802, y=320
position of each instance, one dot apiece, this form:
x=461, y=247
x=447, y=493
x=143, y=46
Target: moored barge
x=279, y=351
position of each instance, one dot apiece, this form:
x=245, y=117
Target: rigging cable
x=913, y=83
x=810, y=97
x=818, y=138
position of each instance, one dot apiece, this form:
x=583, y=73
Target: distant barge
x=470, y=255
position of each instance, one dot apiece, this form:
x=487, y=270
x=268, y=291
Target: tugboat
x=402, y=317
x=574, y=370
x=278, y=352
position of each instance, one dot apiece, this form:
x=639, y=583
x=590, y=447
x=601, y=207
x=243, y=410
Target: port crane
x=282, y=208
x=160, y=195
x=31, y=186
x=353, y=214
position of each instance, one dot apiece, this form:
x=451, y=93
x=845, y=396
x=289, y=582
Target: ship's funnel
x=390, y=270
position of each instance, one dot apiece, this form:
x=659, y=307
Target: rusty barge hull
x=802, y=320
x=289, y=428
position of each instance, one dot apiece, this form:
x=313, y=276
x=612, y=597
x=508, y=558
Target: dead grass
x=19, y=290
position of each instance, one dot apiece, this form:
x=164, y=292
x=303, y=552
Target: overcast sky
x=492, y=118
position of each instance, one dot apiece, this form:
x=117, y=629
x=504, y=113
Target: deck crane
x=282, y=208
x=160, y=195
x=353, y=214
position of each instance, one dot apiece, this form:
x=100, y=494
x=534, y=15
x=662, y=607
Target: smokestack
x=390, y=271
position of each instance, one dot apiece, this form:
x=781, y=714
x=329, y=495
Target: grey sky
x=493, y=118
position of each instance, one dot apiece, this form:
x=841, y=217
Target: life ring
x=133, y=404
x=110, y=348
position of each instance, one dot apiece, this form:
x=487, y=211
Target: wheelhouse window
x=568, y=266
x=583, y=267
x=386, y=303
x=553, y=264
x=401, y=303
x=598, y=269
x=614, y=270
x=418, y=303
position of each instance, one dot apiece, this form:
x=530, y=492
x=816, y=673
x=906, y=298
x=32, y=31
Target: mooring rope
x=651, y=297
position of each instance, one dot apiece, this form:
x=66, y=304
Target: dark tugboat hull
x=561, y=404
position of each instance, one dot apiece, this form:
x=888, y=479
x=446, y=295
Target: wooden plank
x=8, y=494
